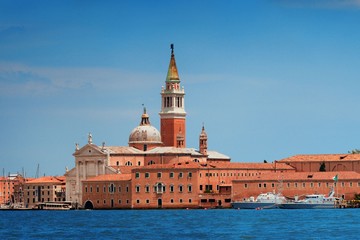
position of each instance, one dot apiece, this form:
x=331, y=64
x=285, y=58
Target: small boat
x=313, y=201
x=52, y=206
x=263, y=201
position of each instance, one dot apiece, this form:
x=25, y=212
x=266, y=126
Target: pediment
x=89, y=150
x=70, y=173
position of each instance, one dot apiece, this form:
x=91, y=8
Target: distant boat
x=263, y=201
x=52, y=206
x=313, y=201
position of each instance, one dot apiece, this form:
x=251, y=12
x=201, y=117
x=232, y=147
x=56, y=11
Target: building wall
x=107, y=194
x=170, y=128
x=126, y=160
x=179, y=188
x=341, y=165
x=6, y=189
x=243, y=189
x=42, y=192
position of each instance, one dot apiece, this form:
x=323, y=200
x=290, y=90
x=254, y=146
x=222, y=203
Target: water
x=181, y=224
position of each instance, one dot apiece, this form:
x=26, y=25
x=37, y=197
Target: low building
x=44, y=189
x=347, y=184
x=11, y=189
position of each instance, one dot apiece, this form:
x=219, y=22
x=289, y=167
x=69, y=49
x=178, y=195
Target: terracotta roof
x=184, y=165
x=123, y=169
x=322, y=158
x=260, y=166
x=301, y=176
x=47, y=179
x=109, y=177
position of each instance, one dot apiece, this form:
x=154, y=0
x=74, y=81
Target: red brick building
x=297, y=183
x=11, y=189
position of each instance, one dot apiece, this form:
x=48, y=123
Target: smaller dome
x=145, y=133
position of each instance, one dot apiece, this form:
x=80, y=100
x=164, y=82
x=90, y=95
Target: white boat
x=263, y=201
x=52, y=206
x=313, y=201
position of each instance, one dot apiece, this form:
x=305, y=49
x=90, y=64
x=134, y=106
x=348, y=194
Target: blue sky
x=269, y=79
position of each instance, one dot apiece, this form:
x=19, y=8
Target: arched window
x=128, y=163
x=196, y=160
x=159, y=188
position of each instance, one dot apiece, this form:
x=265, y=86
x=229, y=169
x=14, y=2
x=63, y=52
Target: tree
x=354, y=151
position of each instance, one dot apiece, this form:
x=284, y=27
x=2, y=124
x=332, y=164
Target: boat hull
x=306, y=206
x=253, y=205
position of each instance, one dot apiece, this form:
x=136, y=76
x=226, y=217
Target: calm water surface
x=181, y=224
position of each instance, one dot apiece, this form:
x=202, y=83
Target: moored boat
x=263, y=201
x=52, y=206
x=313, y=201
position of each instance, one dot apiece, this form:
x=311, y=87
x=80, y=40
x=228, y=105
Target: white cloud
x=21, y=79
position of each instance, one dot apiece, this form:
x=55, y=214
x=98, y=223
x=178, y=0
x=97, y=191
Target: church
x=158, y=170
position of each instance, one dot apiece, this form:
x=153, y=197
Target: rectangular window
x=259, y=185
x=137, y=175
x=180, y=174
x=171, y=188
x=171, y=175
x=159, y=174
x=190, y=174
x=350, y=184
x=180, y=188
x=201, y=187
x=189, y=188
x=304, y=185
x=245, y=185
x=147, y=175
x=137, y=189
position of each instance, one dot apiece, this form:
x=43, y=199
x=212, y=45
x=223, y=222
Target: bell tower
x=172, y=114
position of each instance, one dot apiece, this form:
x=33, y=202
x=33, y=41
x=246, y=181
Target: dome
x=145, y=133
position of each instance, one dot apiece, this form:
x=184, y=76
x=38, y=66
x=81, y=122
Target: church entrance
x=88, y=205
